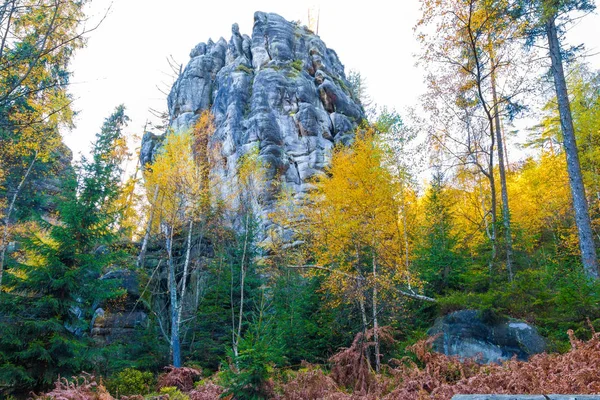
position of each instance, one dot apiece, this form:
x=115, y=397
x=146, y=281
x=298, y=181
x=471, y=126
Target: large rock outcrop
x=119, y=319
x=281, y=91
x=473, y=334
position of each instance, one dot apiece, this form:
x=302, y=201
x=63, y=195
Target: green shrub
x=130, y=381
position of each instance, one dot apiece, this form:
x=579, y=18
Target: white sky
x=125, y=59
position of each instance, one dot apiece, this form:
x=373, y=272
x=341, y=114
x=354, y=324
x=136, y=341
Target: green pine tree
x=437, y=259
x=49, y=297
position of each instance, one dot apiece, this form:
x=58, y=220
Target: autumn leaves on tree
x=478, y=48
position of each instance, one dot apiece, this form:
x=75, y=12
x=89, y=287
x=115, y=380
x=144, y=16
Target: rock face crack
x=267, y=47
x=280, y=90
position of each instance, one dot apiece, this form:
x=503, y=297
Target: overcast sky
x=126, y=57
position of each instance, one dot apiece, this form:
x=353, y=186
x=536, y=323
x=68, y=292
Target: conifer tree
x=48, y=302
x=437, y=260
x=37, y=41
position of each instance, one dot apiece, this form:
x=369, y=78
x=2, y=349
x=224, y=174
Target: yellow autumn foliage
x=541, y=200
x=351, y=220
x=178, y=183
x=177, y=178
x=540, y=204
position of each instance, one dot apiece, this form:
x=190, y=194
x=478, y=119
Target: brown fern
x=208, y=391
x=351, y=367
x=311, y=383
x=576, y=372
x=181, y=378
x=82, y=387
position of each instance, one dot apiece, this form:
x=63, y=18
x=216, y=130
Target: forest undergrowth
x=349, y=376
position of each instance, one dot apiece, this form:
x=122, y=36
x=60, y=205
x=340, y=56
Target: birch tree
x=351, y=231
x=180, y=197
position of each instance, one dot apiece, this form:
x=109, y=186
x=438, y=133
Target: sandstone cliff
x=281, y=90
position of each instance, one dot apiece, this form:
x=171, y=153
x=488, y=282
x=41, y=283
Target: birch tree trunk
x=238, y=329
x=185, y=272
x=174, y=343
x=361, y=300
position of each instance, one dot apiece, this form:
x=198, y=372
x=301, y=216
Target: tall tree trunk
x=363, y=310
x=363, y=314
x=238, y=334
x=490, y=228
x=185, y=272
x=506, y=160
x=175, y=345
x=494, y=213
x=405, y=235
x=361, y=300
x=473, y=38
x=375, y=323
x=488, y=172
x=580, y=205
x=503, y=188
x=11, y=207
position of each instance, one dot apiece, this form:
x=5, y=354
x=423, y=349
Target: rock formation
x=119, y=319
x=471, y=333
x=281, y=91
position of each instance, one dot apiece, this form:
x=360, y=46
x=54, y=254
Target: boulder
x=488, y=339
